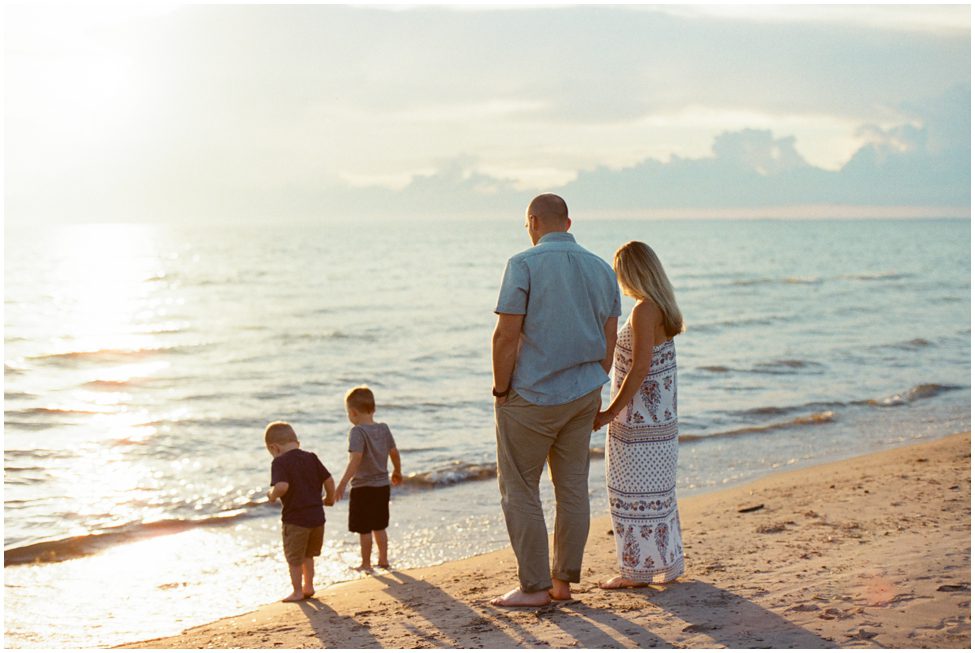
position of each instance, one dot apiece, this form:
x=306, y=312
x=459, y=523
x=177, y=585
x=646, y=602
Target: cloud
x=227, y=111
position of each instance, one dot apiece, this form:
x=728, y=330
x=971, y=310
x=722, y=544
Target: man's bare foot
x=618, y=583
x=366, y=568
x=293, y=597
x=518, y=599
x=308, y=592
x=560, y=590
x=383, y=565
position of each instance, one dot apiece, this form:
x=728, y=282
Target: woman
x=641, y=445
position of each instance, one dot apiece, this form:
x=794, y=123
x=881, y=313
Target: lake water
x=142, y=363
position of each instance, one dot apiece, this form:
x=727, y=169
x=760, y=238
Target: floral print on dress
x=641, y=468
x=631, y=548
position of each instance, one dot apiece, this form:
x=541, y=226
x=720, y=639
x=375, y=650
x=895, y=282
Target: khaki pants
x=528, y=435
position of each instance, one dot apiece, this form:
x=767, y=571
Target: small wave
x=766, y=411
x=452, y=474
x=923, y=391
x=215, y=422
x=785, y=366
x=176, y=327
x=8, y=396
x=806, y=420
x=82, y=545
x=99, y=355
x=765, y=320
x=461, y=472
x=916, y=343
x=110, y=384
x=874, y=276
x=419, y=449
x=803, y=280
x=28, y=426
x=719, y=369
x=48, y=411
x=764, y=281
x=10, y=369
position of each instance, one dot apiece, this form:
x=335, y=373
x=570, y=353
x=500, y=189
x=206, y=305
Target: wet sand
x=874, y=551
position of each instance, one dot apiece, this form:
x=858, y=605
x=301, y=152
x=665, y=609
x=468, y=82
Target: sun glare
x=102, y=291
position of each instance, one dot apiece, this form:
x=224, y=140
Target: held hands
x=339, y=492
x=270, y=496
x=602, y=419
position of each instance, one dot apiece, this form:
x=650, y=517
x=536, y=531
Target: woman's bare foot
x=561, y=591
x=618, y=583
x=293, y=597
x=518, y=599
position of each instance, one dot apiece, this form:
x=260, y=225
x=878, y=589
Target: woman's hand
x=602, y=419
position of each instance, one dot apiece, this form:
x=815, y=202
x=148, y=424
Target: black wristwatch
x=501, y=394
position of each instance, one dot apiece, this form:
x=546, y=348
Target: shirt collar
x=556, y=237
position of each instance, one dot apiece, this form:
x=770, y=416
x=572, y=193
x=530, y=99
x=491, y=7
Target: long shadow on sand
x=325, y=621
x=722, y=616
x=582, y=622
x=443, y=612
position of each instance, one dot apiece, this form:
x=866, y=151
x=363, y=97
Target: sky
x=225, y=113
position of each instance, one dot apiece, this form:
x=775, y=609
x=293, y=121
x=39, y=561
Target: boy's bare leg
x=308, y=568
x=382, y=543
x=365, y=545
x=295, y=571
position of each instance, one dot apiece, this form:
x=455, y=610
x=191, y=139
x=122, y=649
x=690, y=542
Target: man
x=552, y=349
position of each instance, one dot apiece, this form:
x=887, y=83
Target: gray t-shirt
x=374, y=442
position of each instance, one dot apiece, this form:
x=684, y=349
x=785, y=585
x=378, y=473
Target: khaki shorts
x=301, y=542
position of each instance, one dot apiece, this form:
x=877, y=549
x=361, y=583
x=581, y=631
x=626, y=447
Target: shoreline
x=838, y=555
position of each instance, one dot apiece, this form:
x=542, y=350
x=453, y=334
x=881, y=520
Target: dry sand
x=869, y=552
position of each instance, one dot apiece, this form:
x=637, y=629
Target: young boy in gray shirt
x=370, y=445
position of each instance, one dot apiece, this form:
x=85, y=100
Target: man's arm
x=610, y=330
x=355, y=459
x=504, y=350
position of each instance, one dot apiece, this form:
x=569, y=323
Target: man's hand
x=339, y=492
x=499, y=401
x=396, y=478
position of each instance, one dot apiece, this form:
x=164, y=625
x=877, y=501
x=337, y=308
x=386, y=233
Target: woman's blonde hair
x=642, y=276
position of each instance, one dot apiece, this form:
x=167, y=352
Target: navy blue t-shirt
x=304, y=473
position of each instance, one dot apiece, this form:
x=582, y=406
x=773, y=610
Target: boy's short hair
x=279, y=433
x=362, y=399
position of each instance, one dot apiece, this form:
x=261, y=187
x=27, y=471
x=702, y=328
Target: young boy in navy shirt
x=297, y=478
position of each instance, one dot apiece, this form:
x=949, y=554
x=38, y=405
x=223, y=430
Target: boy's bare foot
x=618, y=583
x=518, y=599
x=560, y=590
x=293, y=597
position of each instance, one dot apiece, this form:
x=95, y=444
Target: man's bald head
x=551, y=210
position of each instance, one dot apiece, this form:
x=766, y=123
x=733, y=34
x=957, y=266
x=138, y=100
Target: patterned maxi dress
x=641, y=468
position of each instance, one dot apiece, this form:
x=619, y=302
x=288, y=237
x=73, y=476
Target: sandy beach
x=869, y=552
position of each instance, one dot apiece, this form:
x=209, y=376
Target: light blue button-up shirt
x=566, y=294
